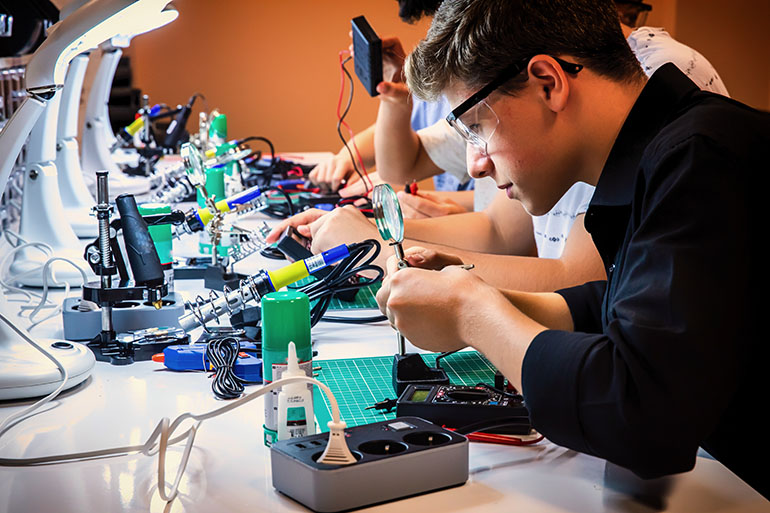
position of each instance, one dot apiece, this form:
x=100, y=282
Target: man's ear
x=550, y=80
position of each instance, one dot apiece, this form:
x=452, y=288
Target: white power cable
x=25, y=412
x=43, y=302
x=160, y=438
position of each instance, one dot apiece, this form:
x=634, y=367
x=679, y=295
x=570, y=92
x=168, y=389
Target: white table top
x=229, y=469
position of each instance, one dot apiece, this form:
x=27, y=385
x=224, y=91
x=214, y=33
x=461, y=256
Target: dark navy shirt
x=669, y=353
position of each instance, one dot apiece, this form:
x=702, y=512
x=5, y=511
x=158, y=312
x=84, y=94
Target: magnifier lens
x=193, y=162
x=387, y=213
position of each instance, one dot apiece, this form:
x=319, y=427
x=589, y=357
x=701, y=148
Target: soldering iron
x=259, y=284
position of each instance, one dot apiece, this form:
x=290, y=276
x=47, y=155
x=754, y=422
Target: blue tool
x=193, y=357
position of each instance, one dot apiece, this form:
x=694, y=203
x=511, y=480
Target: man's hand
x=328, y=229
x=359, y=187
x=427, y=306
x=430, y=258
x=344, y=225
x=421, y=205
x=299, y=221
x=333, y=172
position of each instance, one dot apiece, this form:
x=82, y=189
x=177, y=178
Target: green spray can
x=285, y=318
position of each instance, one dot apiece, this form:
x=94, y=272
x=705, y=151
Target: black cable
x=222, y=354
x=355, y=320
x=344, y=277
x=276, y=211
x=342, y=118
x=264, y=140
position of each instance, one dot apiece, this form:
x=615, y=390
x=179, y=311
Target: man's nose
x=478, y=162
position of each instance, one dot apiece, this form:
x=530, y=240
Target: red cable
x=491, y=438
x=365, y=176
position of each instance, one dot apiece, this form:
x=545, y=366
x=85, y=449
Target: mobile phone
x=367, y=47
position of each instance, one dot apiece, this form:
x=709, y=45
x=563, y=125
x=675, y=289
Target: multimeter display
x=419, y=395
x=456, y=406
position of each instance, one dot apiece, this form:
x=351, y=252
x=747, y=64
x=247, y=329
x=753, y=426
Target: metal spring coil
x=220, y=304
x=174, y=193
x=256, y=242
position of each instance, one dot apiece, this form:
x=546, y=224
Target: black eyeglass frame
x=504, y=76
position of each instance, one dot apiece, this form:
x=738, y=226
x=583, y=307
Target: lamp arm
x=14, y=134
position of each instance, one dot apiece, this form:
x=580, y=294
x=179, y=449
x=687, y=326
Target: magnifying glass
x=390, y=221
x=193, y=163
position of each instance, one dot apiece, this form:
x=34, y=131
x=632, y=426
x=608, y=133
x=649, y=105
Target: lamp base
x=28, y=373
x=27, y=268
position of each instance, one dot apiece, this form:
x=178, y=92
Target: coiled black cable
x=343, y=278
x=222, y=354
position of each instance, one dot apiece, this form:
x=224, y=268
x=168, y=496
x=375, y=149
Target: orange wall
x=736, y=41
x=271, y=66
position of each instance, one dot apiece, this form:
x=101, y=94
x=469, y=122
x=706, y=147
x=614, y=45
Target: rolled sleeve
x=584, y=302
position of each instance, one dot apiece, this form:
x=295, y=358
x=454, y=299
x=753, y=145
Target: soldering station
x=136, y=241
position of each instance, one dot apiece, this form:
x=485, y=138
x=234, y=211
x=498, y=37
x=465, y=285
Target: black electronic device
x=411, y=369
x=367, y=47
x=457, y=406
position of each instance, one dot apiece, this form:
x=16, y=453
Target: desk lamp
x=43, y=217
x=26, y=372
x=75, y=196
x=98, y=138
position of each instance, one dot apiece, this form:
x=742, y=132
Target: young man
x=503, y=240
x=666, y=355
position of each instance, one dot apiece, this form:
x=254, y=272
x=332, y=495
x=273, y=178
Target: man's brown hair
x=472, y=41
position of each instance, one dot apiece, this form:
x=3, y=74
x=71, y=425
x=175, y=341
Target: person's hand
x=427, y=306
x=344, y=225
x=333, y=172
x=425, y=204
x=299, y=221
x=393, y=57
x=430, y=258
x=392, y=88
x=359, y=188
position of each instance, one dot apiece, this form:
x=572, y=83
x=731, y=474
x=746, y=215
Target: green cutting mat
x=361, y=382
x=365, y=298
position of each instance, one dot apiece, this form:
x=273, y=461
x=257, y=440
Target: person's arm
x=579, y=263
x=422, y=204
x=398, y=151
x=502, y=228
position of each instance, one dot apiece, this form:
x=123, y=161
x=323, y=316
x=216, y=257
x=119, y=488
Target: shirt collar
x=661, y=97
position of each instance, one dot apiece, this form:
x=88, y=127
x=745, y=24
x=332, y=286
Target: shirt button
x=611, y=268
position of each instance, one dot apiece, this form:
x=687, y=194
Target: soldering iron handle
x=142, y=256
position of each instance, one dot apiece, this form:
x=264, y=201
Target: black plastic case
x=367, y=47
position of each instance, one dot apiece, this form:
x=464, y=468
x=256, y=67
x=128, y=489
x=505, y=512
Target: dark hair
x=412, y=11
x=472, y=41
x=632, y=11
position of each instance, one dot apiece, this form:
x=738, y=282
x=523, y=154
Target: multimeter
x=457, y=406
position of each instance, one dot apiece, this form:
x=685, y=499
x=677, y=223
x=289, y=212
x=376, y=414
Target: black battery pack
x=367, y=47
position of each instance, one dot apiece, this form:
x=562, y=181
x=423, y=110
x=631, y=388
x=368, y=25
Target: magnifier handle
x=402, y=263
